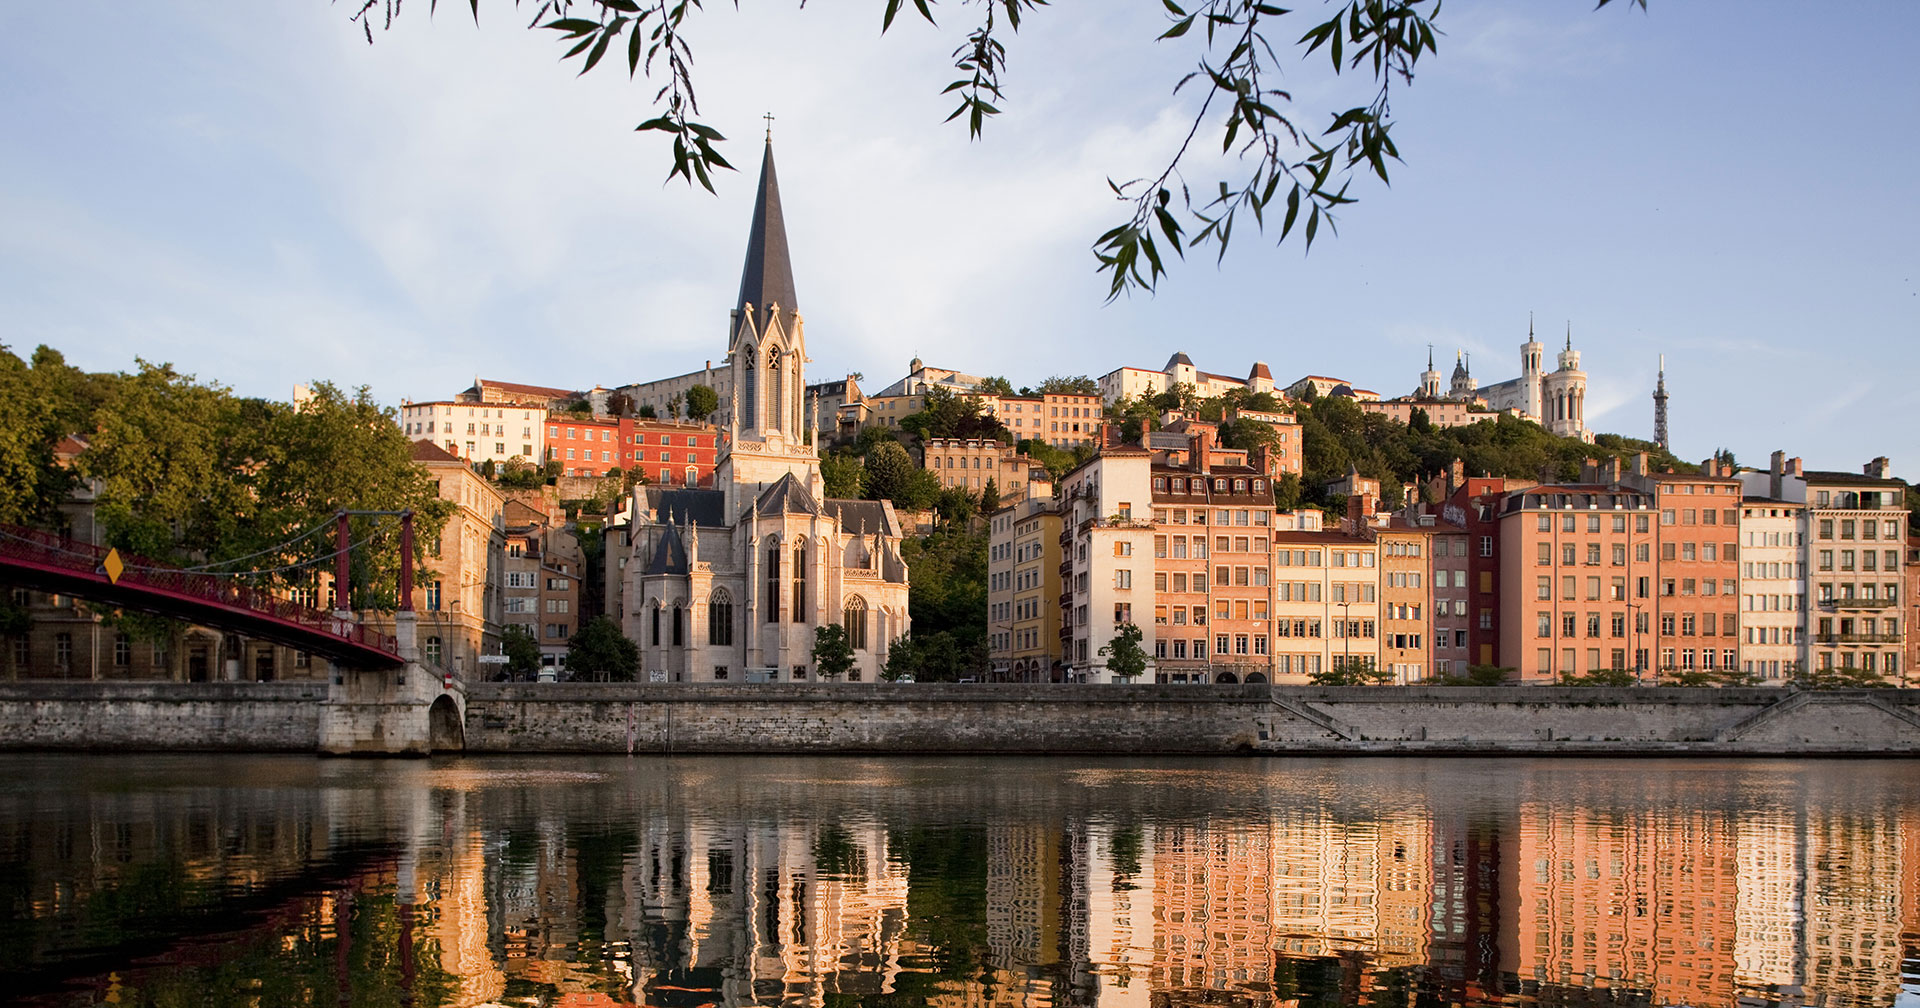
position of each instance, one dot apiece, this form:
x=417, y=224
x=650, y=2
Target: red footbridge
x=46, y=562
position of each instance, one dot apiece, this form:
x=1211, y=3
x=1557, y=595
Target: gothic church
x=729, y=584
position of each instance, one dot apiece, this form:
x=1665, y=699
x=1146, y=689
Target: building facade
x=479, y=432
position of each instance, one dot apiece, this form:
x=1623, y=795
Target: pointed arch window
x=772, y=598
x=854, y=618
x=720, y=619
x=776, y=390
x=749, y=389
x=799, y=584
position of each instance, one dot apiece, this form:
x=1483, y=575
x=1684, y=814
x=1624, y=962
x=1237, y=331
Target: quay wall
x=984, y=718
x=939, y=718
x=217, y=716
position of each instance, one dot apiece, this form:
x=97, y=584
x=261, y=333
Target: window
x=433, y=650
x=854, y=618
x=772, y=597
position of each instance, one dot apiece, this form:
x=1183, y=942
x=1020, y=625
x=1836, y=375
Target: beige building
x=1773, y=587
x=1856, y=544
x=1023, y=591
x=1131, y=383
x=459, y=608
x=972, y=463
x=542, y=581
x=1406, y=610
x=1326, y=589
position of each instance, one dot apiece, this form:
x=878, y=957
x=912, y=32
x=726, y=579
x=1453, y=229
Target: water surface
x=682, y=881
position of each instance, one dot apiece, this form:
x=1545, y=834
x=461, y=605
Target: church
x=1556, y=400
x=729, y=584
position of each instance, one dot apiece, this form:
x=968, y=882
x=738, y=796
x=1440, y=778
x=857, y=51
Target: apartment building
x=1406, y=598
x=1451, y=595
x=496, y=432
x=1477, y=502
x=1070, y=420
x=1023, y=588
x=1697, y=609
x=1212, y=563
x=1577, y=579
x=543, y=566
x=673, y=454
x=1326, y=609
x=1106, y=566
x=1857, y=545
x=587, y=445
x=1773, y=584
x=972, y=463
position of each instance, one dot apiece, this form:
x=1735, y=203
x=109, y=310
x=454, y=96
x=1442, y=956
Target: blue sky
x=262, y=199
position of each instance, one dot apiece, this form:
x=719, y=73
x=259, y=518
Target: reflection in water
x=263, y=881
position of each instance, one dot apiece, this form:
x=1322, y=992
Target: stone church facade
x=1556, y=400
x=729, y=584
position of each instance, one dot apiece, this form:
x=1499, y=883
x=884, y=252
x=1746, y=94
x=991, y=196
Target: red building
x=680, y=454
x=587, y=445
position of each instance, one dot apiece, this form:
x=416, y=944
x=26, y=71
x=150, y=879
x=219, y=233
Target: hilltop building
x=729, y=584
x=1556, y=400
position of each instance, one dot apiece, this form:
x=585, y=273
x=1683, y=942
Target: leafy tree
x=1357, y=670
x=1842, y=678
x=600, y=651
x=845, y=476
x=870, y=438
x=673, y=406
x=1603, y=677
x=832, y=653
x=522, y=651
x=620, y=404
x=488, y=469
x=889, y=472
x=990, y=497
x=1069, y=385
x=903, y=660
x=647, y=411
x=994, y=386
x=702, y=401
x=516, y=475
x=1125, y=657
x=946, y=415
x=948, y=592
x=955, y=506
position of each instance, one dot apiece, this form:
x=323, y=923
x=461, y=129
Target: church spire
x=767, y=278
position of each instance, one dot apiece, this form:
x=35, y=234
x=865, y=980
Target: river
x=593, y=882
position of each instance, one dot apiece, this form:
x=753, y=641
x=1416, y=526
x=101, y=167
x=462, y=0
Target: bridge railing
x=48, y=549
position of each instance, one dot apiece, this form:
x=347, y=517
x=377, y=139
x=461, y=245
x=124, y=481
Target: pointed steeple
x=767, y=278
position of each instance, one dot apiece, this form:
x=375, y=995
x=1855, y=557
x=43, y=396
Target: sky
x=256, y=195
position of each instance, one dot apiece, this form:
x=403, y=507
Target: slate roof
x=1178, y=358
x=687, y=506
x=860, y=517
x=767, y=278
x=787, y=496
x=670, y=557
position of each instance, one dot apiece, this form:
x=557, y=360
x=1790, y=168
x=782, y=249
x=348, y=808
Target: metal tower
x=1660, y=406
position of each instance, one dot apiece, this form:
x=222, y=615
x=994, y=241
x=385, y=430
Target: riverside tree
x=1287, y=167
x=1125, y=657
x=600, y=651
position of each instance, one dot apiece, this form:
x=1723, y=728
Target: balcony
x=1859, y=603
x=1857, y=638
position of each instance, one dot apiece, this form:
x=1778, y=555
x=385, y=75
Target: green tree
x=1352, y=670
x=832, y=652
x=599, y=651
x=1842, y=678
x=889, y=471
x=702, y=401
x=647, y=411
x=946, y=415
x=845, y=476
x=994, y=386
x=1606, y=677
x=1069, y=385
x=990, y=497
x=673, y=406
x=522, y=651
x=1125, y=657
x=903, y=660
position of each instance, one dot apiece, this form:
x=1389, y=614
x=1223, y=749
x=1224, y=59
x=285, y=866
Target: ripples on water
x=824, y=882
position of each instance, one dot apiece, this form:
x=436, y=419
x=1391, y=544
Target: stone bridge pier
x=412, y=710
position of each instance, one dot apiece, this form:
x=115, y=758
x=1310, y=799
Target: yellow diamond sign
x=112, y=566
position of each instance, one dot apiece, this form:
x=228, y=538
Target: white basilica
x=1556, y=400
x=729, y=584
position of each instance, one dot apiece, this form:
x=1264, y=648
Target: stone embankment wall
x=929, y=718
x=1185, y=719
x=227, y=717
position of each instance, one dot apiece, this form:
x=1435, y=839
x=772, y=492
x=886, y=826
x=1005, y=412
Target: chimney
x=1613, y=470
x=1878, y=467
x=1263, y=459
x=1776, y=474
x=1640, y=464
x=1456, y=476
x=1793, y=466
x=1199, y=444
x=1359, y=510
x=1589, y=470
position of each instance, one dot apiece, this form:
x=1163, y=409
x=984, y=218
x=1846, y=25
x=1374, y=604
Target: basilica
x=729, y=584
x=1556, y=400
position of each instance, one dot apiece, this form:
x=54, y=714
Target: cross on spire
x=769, y=118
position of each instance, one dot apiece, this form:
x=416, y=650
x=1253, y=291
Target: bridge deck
x=51, y=563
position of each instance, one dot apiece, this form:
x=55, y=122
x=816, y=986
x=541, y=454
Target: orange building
x=676, y=454
x=1698, y=596
x=1406, y=608
x=586, y=445
x=1213, y=516
x=1576, y=577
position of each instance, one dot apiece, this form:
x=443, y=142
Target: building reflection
x=481, y=897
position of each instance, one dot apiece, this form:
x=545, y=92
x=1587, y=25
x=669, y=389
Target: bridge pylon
x=413, y=710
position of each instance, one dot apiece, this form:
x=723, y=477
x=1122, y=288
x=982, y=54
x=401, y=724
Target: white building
x=479, y=432
x=1136, y=383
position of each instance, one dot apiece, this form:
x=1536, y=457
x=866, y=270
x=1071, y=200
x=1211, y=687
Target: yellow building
x=1023, y=591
